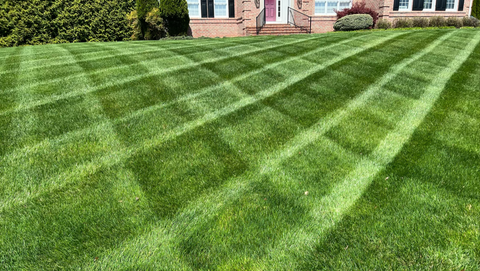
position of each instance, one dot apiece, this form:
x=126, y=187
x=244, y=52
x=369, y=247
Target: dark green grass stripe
x=120, y=155
x=157, y=71
x=331, y=208
x=8, y=101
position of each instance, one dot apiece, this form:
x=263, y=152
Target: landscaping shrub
x=420, y=22
x=475, y=22
x=467, y=21
x=358, y=8
x=403, y=23
x=437, y=21
x=175, y=16
x=453, y=21
x=56, y=21
x=384, y=24
x=354, y=22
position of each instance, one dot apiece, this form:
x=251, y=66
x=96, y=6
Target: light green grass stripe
x=119, y=155
x=156, y=71
x=109, y=136
x=331, y=208
x=24, y=123
x=100, y=55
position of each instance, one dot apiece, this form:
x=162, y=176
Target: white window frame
x=326, y=6
x=410, y=5
x=215, y=11
x=199, y=9
x=455, y=6
x=429, y=9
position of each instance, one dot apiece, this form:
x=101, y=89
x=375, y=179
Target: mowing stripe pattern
x=262, y=153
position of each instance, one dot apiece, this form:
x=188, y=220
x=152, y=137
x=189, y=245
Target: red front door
x=270, y=10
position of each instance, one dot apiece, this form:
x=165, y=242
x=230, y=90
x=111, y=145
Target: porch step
x=275, y=29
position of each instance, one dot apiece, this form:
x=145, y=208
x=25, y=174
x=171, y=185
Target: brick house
x=231, y=18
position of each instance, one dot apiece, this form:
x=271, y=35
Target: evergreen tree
x=144, y=7
x=175, y=16
x=476, y=9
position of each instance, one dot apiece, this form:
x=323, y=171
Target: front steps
x=275, y=29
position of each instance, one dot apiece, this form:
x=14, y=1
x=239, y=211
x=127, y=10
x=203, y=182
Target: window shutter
x=204, y=8
x=441, y=5
x=461, y=3
x=417, y=4
x=211, y=13
x=396, y=5
x=231, y=8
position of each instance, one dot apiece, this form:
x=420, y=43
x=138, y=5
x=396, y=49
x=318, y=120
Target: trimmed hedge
x=354, y=22
x=59, y=21
x=435, y=21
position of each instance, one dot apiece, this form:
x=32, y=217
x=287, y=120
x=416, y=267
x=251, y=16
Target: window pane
x=427, y=4
x=193, y=10
x=220, y=8
x=319, y=7
x=344, y=5
x=450, y=4
x=403, y=4
x=331, y=7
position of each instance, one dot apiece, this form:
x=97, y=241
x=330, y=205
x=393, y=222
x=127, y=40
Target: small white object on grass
x=306, y=193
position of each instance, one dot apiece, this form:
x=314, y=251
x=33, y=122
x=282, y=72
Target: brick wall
x=246, y=12
x=386, y=12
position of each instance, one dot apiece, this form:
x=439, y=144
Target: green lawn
x=198, y=154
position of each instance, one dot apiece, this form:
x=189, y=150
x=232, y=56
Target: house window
x=329, y=7
x=193, y=8
x=428, y=4
x=403, y=4
x=450, y=4
x=221, y=8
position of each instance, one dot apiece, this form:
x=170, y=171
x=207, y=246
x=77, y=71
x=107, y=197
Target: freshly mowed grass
x=198, y=154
